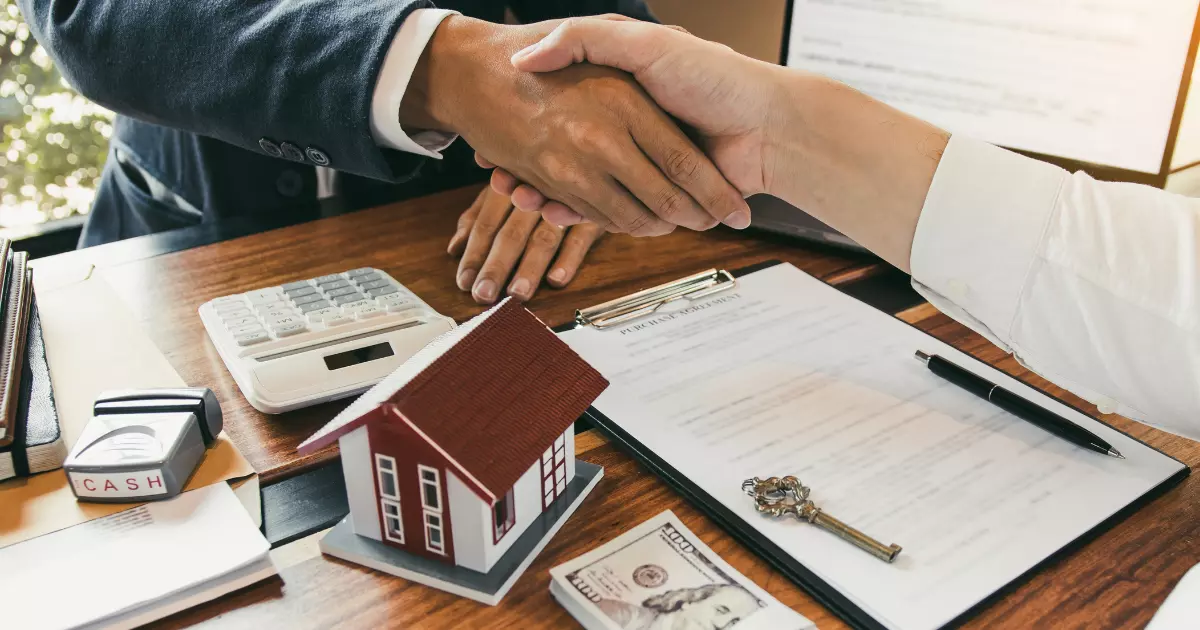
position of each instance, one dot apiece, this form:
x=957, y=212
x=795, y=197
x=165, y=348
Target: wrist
x=443, y=76
x=796, y=129
x=781, y=120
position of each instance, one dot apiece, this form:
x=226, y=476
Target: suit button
x=270, y=148
x=289, y=184
x=317, y=156
x=291, y=152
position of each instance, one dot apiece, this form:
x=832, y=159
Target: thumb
x=627, y=45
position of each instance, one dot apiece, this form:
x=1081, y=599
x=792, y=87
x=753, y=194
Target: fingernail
x=519, y=288
x=466, y=278
x=558, y=275
x=486, y=290
x=739, y=220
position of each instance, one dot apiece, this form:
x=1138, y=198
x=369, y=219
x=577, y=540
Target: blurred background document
x=784, y=375
x=1090, y=80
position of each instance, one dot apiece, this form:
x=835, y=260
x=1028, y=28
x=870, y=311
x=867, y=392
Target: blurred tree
x=54, y=141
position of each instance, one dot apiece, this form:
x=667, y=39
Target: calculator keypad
x=308, y=306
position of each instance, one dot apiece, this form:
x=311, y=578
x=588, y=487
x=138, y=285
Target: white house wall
x=358, y=466
x=527, y=504
x=570, y=434
x=471, y=517
x=470, y=525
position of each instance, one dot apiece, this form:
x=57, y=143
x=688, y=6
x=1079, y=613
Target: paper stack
x=135, y=566
x=659, y=575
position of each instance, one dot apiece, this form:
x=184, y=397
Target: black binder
x=761, y=545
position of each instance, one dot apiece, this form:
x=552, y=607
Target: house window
x=385, y=470
x=393, y=526
x=431, y=488
x=554, y=471
x=431, y=504
x=433, y=533
x=503, y=516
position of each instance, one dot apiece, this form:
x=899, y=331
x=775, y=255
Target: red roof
x=495, y=400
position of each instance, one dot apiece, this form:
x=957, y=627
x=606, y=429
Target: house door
x=554, y=471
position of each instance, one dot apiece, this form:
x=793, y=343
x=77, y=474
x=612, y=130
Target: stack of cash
x=659, y=575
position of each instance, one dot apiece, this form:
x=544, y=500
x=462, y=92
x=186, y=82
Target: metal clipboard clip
x=646, y=302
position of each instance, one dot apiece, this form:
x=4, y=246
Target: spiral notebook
x=720, y=377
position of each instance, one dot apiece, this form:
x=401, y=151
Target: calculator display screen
x=358, y=355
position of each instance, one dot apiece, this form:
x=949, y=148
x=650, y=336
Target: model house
x=456, y=454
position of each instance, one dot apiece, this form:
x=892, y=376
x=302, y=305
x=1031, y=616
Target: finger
x=493, y=211
x=628, y=45
x=482, y=161
x=539, y=251
x=686, y=165
x=651, y=185
x=626, y=213
x=502, y=258
x=528, y=198
x=574, y=248
x=503, y=182
x=466, y=220
x=561, y=215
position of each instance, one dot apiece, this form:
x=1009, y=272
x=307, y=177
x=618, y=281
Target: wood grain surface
x=1116, y=581
x=408, y=240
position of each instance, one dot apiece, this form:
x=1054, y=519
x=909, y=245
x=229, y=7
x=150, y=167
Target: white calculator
x=321, y=339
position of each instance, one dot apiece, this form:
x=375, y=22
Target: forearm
x=858, y=165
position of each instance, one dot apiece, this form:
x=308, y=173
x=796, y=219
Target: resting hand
x=492, y=240
x=729, y=99
x=586, y=136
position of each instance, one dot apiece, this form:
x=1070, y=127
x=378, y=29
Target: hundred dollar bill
x=660, y=576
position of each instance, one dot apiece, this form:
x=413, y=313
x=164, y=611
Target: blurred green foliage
x=54, y=141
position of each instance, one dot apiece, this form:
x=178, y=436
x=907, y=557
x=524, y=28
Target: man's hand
x=586, y=136
x=492, y=239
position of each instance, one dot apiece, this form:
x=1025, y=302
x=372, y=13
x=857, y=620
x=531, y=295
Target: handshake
x=581, y=126
x=611, y=124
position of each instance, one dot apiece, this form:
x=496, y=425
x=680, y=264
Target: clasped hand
x=586, y=135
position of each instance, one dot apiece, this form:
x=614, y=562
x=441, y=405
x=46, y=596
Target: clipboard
x=646, y=302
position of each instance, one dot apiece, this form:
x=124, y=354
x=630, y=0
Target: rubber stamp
x=143, y=445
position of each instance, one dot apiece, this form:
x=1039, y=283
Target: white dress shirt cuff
x=394, y=75
x=980, y=232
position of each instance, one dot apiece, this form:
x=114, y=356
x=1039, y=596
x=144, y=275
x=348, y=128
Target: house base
x=488, y=588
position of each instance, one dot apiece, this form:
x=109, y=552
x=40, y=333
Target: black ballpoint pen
x=1018, y=406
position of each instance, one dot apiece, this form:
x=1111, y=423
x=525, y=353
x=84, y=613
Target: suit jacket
x=208, y=91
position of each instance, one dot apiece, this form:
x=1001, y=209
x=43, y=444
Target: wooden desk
x=408, y=240
x=1116, y=581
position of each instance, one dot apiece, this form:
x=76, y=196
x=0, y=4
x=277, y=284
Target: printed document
x=784, y=375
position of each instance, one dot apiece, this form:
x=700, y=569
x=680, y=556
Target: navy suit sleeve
x=297, y=71
x=538, y=10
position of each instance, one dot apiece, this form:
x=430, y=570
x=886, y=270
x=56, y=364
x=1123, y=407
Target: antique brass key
x=781, y=496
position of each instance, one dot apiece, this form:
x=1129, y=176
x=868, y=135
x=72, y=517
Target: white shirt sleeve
x=394, y=74
x=1093, y=285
